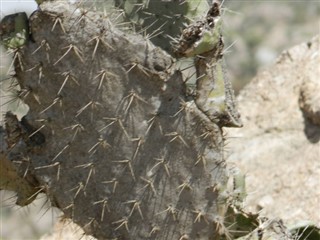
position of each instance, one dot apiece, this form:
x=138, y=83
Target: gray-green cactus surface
x=126, y=155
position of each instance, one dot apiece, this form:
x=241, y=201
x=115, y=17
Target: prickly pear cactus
x=112, y=137
x=162, y=21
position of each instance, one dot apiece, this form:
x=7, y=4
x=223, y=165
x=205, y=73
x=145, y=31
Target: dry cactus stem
x=112, y=137
x=214, y=96
x=269, y=230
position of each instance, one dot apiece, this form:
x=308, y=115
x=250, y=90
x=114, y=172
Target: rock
x=278, y=147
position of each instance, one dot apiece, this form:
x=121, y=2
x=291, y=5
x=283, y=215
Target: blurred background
x=255, y=32
x=260, y=30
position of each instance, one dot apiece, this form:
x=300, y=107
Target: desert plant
x=113, y=137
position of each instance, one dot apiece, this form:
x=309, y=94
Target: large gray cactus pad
x=126, y=154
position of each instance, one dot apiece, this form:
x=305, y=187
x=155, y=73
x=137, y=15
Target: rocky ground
x=279, y=146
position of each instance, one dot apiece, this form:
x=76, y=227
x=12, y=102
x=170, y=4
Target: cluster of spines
x=161, y=22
